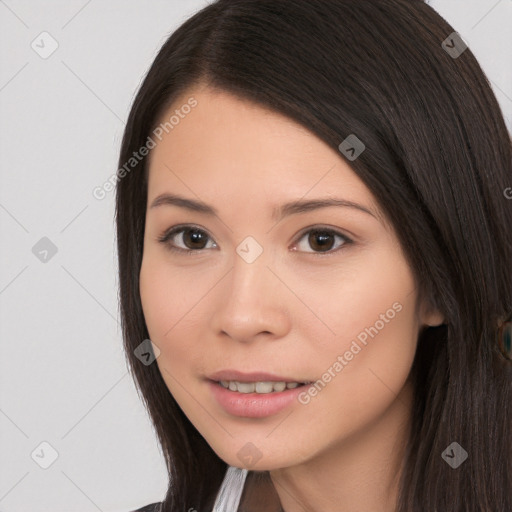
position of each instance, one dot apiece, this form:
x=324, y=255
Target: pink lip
x=250, y=377
x=254, y=405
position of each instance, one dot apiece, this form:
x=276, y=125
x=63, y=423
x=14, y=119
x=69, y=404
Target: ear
x=430, y=316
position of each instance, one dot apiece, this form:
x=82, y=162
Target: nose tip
x=252, y=303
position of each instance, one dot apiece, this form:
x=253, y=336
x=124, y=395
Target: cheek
x=171, y=311
x=369, y=297
x=154, y=294
x=365, y=365
x=163, y=293
x=372, y=379
x=366, y=312
x=163, y=307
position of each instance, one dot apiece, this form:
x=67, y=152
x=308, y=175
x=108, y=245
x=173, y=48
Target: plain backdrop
x=66, y=399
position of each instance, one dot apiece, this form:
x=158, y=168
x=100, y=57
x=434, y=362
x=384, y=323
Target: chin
x=260, y=455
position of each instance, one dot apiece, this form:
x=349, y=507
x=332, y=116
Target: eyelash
x=167, y=235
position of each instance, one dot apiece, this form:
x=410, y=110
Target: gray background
x=63, y=377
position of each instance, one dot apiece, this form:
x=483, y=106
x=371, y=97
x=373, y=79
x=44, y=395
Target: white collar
x=230, y=492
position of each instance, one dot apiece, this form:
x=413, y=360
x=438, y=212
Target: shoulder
x=154, y=507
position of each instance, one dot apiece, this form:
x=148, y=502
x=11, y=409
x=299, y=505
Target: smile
x=246, y=401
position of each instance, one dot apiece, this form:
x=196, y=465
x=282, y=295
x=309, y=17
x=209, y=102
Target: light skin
x=291, y=312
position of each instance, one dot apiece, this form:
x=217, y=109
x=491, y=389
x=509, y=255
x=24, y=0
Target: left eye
x=321, y=240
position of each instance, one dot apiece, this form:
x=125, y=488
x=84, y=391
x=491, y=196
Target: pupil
x=195, y=236
x=323, y=237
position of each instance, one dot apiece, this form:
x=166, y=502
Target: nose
x=253, y=302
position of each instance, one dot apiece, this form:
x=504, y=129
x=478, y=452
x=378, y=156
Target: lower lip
x=254, y=405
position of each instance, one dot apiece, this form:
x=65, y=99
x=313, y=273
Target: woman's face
x=253, y=291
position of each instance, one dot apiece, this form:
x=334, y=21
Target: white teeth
x=279, y=386
x=264, y=387
x=246, y=387
x=257, y=387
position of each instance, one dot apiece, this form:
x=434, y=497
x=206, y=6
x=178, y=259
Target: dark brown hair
x=438, y=158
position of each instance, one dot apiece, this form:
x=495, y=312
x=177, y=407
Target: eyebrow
x=280, y=212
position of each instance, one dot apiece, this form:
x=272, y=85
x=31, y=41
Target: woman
x=313, y=233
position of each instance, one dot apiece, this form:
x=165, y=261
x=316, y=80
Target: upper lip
x=250, y=376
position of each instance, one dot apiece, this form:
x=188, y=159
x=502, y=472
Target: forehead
x=225, y=147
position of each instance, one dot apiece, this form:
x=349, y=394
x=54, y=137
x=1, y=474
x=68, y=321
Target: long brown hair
x=438, y=158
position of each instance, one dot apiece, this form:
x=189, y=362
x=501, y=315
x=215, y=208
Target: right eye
x=192, y=239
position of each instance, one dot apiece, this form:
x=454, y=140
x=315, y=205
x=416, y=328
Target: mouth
x=254, y=395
